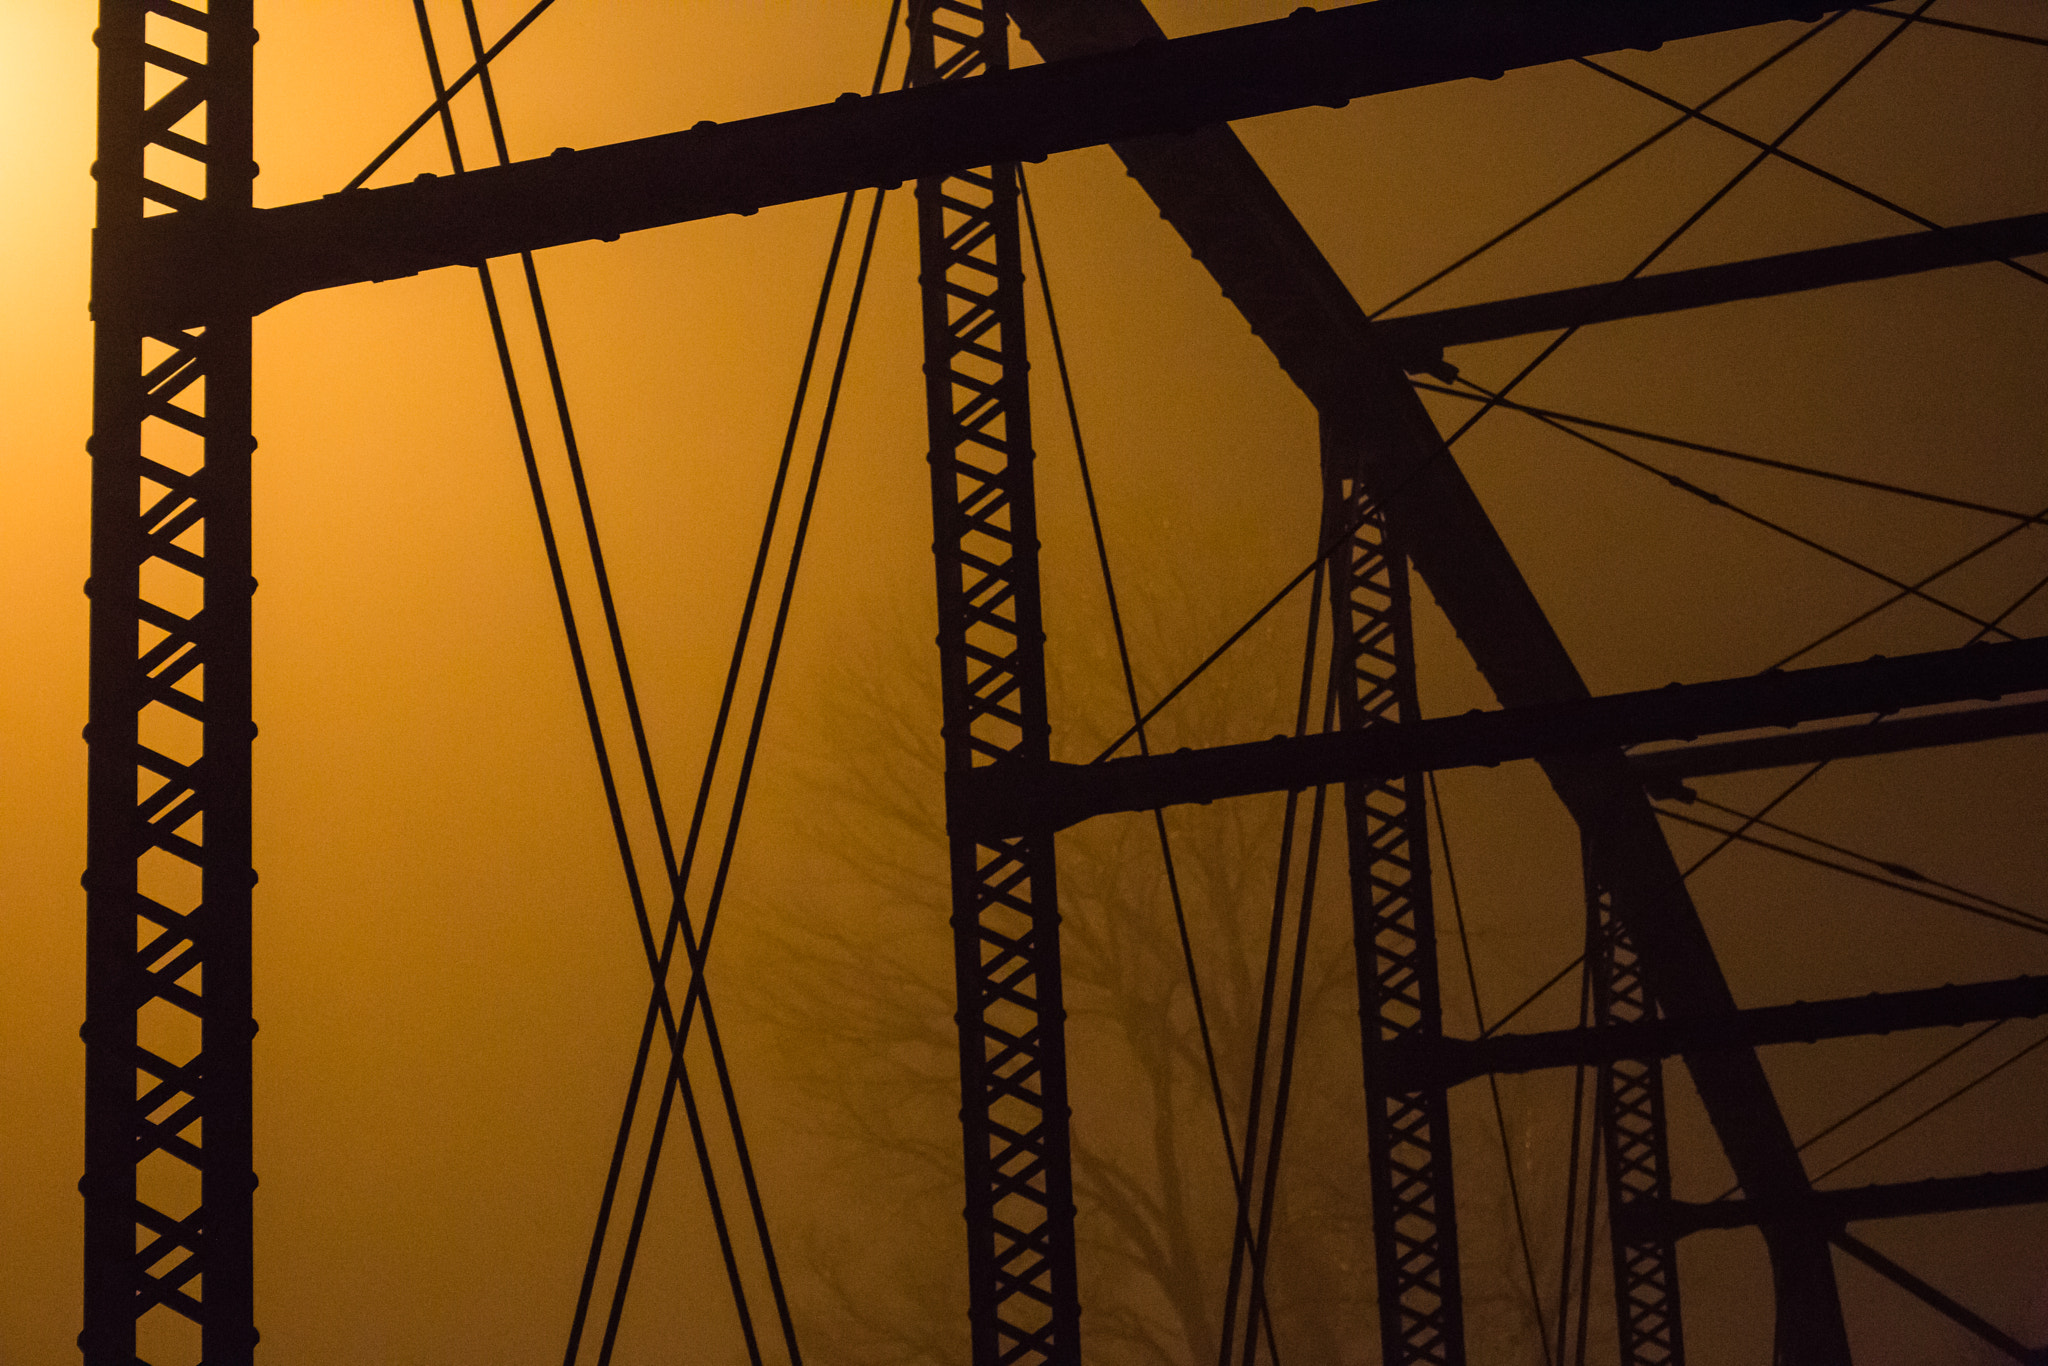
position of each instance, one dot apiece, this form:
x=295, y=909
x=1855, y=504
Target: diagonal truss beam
x=1009, y=794
x=249, y=261
x=1418, y=339
x=1212, y=191
x=1963, y=1317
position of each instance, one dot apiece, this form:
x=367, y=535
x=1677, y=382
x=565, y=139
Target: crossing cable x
x=2029, y=38
x=1768, y=150
x=679, y=920
x=1123, y=651
x=443, y=94
x=1261, y=1248
x=574, y=639
x=1713, y=499
x=1554, y=417
x=1774, y=150
x=1730, y=837
x=677, y=1035
x=1900, y=596
x=678, y=916
x=1805, y=36
x=697, y=990
x=1243, y=1241
x=1996, y=911
x=1495, y=399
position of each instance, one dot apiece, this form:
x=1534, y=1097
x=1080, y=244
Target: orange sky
x=448, y=981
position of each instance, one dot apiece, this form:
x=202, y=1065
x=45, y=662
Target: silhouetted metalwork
x=182, y=260
x=1889, y=735
x=1393, y=919
x=1023, y=1300
x=855, y=143
x=1022, y=789
x=1833, y=1208
x=1637, y=1035
x=1209, y=188
x=1419, y=338
x=1636, y=1150
x=168, y=1173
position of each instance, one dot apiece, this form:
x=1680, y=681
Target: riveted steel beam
x=1832, y=1209
x=1418, y=339
x=1662, y=768
x=1449, y=1061
x=1004, y=795
x=243, y=263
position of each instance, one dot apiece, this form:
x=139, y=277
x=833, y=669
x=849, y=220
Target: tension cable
x=1123, y=651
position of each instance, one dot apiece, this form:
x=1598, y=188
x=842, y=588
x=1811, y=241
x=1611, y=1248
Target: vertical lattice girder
x=1023, y=1303
x=1408, y=1140
x=1631, y=1124
x=169, y=1181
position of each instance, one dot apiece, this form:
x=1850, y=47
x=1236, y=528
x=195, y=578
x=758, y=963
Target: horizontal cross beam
x=1657, y=1219
x=198, y=266
x=1665, y=768
x=1016, y=795
x=1418, y=339
x=1419, y=1061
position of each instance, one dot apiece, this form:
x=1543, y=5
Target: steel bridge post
x=1023, y=1302
x=169, y=1179
x=1408, y=1135
x=1635, y=1146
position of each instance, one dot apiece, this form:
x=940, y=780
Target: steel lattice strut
x=1408, y=1133
x=169, y=1178
x=1636, y=1149
x=1023, y=1303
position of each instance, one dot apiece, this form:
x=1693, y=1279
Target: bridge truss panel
x=1408, y=1128
x=1635, y=1146
x=169, y=1181
x=1023, y=1298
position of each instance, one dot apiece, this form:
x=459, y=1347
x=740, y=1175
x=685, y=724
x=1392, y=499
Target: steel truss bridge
x=178, y=277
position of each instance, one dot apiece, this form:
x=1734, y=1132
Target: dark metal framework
x=1635, y=1145
x=1023, y=1301
x=182, y=260
x=169, y=1179
x=1064, y=793
x=1393, y=918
